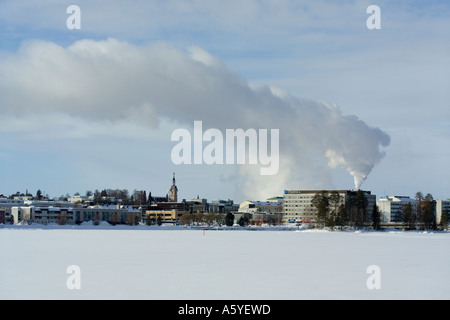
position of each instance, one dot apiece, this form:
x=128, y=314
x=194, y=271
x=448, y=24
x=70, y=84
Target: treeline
x=201, y=218
x=423, y=216
x=333, y=211
x=105, y=196
x=228, y=219
x=113, y=196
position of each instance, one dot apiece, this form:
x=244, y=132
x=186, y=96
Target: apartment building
x=73, y=215
x=167, y=216
x=298, y=207
x=6, y=205
x=392, y=208
x=441, y=207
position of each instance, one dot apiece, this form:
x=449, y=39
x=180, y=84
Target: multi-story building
x=222, y=206
x=260, y=212
x=392, y=208
x=298, y=207
x=22, y=214
x=110, y=213
x=441, y=207
x=80, y=199
x=199, y=205
x=7, y=204
x=270, y=207
x=72, y=215
x=167, y=216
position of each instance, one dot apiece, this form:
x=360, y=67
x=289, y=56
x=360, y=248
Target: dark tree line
x=423, y=216
x=333, y=212
x=123, y=196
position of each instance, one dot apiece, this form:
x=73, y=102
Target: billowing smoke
x=115, y=80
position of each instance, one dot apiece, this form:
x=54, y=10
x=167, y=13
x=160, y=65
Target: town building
x=115, y=214
x=81, y=199
x=75, y=214
x=22, y=214
x=222, y=206
x=7, y=204
x=261, y=212
x=199, y=205
x=441, y=207
x=269, y=207
x=166, y=216
x=392, y=208
x=298, y=207
x=173, y=191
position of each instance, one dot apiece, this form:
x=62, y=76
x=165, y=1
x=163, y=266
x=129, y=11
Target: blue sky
x=61, y=141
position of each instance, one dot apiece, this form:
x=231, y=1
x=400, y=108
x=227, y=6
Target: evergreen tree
x=444, y=220
x=97, y=197
x=342, y=217
x=321, y=203
x=428, y=208
x=357, y=209
x=334, y=202
x=409, y=217
x=376, y=217
x=419, y=198
x=148, y=220
x=159, y=220
x=229, y=219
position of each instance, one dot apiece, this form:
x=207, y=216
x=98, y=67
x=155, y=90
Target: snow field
x=192, y=264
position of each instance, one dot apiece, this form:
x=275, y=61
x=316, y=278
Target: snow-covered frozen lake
x=176, y=264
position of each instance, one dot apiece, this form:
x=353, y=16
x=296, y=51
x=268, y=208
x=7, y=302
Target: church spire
x=173, y=197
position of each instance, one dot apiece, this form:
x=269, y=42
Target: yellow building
x=167, y=216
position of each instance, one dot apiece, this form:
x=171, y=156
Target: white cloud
x=115, y=81
x=321, y=50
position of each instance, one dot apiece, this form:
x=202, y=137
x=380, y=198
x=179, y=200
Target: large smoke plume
x=115, y=80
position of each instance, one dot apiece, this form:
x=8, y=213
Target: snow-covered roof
x=399, y=199
x=267, y=203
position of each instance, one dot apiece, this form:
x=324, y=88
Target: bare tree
x=96, y=220
x=62, y=218
x=130, y=218
x=186, y=219
x=114, y=219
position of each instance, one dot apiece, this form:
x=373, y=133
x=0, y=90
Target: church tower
x=173, y=192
